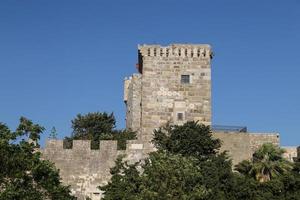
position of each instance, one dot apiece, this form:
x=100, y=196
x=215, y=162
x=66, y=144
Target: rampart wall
x=241, y=146
x=85, y=169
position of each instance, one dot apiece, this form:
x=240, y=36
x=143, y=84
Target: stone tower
x=173, y=86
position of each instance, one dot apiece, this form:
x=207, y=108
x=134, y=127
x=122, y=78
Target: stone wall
x=85, y=169
x=241, y=146
x=132, y=99
x=163, y=94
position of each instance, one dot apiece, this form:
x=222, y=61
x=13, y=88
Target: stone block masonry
x=241, y=146
x=174, y=86
x=85, y=169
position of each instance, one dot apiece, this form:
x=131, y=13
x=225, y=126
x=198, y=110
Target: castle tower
x=174, y=86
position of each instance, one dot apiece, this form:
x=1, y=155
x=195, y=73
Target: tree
x=125, y=182
x=92, y=125
x=185, y=166
x=27, y=128
x=23, y=174
x=172, y=177
x=267, y=163
x=190, y=139
x=53, y=133
x=165, y=177
x=98, y=126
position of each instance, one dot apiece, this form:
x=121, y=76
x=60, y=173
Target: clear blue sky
x=59, y=58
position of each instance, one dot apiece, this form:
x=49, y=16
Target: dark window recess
x=185, y=79
x=179, y=116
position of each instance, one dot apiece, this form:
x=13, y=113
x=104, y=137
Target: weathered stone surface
x=157, y=96
x=85, y=169
x=241, y=146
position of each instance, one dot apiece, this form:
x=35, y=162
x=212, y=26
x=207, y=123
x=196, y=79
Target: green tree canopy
x=92, y=125
x=23, y=174
x=98, y=126
x=185, y=166
x=165, y=177
x=190, y=139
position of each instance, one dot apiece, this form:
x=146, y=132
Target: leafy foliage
x=185, y=166
x=98, y=126
x=164, y=177
x=125, y=182
x=92, y=125
x=23, y=175
x=26, y=127
x=190, y=139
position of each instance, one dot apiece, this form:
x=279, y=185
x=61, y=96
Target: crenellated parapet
x=176, y=50
x=54, y=145
x=84, y=168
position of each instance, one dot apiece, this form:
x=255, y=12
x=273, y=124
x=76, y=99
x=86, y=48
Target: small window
x=180, y=116
x=185, y=79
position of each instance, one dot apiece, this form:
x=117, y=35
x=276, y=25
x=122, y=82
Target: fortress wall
x=241, y=146
x=85, y=169
x=258, y=139
x=237, y=145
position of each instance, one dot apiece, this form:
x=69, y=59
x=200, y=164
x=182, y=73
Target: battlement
x=84, y=168
x=176, y=50
x=85, y=145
